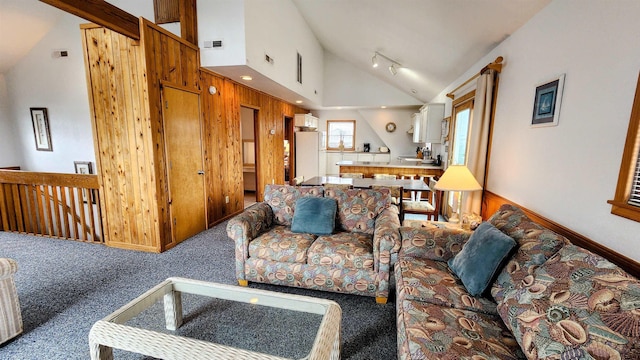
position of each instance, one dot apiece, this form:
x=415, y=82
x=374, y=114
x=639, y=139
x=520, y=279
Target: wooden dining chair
x=384, y=176
x=429, y=206
x=352, y=175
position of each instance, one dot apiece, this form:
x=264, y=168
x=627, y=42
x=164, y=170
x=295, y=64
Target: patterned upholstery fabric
x=431, y=243
x=10, y=316
x=343, y=250
x=359, y=208
x=357, y=262
x=281, y=244
x=577, y=305
x=443, y=333
x=432, y=282
x=282, y=200
x=535, y=243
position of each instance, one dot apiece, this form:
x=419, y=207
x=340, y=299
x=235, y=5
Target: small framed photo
x=85, y=168
x=41, y=132
x=546, y=103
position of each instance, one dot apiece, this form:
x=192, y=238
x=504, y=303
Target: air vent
x=213, y=44
x=268, y=59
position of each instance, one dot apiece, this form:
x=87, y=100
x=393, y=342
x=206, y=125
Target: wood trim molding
x=101, y=12
x=491, y=203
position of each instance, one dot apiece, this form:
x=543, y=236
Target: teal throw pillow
x=481, y=258
x=314, y=216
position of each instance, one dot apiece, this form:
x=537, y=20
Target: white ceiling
x=434, y=40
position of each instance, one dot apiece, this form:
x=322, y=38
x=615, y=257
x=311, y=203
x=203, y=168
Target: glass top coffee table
x=115, y=331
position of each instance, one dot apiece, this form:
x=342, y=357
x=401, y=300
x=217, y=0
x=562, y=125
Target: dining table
x=363, y=183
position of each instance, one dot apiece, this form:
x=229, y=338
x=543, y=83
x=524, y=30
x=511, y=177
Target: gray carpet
x=65, y=286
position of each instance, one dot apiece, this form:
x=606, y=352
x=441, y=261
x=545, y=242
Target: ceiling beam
x=101, y=13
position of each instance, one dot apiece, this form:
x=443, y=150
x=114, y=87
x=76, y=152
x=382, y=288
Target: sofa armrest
x=8, y=267
x=386, y=237
x=433, y=244
x=245, y=227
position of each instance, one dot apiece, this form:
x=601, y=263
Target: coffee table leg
x=100, y=352
x=173, y=310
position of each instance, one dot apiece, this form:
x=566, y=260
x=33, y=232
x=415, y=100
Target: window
x=626, y=201
x=341, y=132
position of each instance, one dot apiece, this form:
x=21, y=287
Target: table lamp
x=457, y=178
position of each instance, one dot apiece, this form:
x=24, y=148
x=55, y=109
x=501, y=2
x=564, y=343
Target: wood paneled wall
x=124, y=78
x=492, y=202
x=223, y=145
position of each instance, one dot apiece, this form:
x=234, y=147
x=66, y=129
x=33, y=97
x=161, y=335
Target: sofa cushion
x=433, y=282
x=481, y=258
x=536, y=244
x=431, y=243
x=281, y=244
x=436, y=332
x=577, y=303
x=314, y=215
x=282, y=200
x=358, y=208
x=345, y=250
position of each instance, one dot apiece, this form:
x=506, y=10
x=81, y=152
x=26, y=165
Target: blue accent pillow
x=314, y=215
x=481, y=258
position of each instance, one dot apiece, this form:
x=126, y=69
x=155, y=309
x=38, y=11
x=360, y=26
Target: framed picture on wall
x=41, y=132
x=85, y=168
x=546, y=103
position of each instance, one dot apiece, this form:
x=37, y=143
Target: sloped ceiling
x=435, y=41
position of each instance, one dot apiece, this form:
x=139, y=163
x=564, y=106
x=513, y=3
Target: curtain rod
x=496, y=65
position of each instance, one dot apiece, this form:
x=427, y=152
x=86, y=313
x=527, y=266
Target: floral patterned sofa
x=552, y=299
x=355, y=258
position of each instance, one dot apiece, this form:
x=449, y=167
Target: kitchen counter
x=396, y=167
x=391, y=164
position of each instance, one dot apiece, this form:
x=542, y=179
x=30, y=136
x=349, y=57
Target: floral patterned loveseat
x=354, y=259
x=552, y=299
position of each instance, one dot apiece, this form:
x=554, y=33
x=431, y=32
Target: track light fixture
x=393, y=68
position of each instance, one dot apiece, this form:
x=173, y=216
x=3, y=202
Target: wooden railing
x=55, y=205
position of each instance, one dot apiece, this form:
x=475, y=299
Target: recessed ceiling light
x=246, y=77
x=298, y=101
x=383, y=107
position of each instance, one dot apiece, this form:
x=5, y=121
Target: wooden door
x=183, y=141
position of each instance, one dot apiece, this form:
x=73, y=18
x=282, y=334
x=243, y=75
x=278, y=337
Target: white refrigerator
x=310, y=154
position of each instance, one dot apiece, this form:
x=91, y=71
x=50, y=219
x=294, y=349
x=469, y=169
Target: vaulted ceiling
x=435, y=41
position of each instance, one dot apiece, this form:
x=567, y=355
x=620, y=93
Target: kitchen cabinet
x=365, y=157
x=306, y=120
x=427, y=124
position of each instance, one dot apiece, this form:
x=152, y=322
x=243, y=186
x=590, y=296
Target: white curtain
x=479, y=138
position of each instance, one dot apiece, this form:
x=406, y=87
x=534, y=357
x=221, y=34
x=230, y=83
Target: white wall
x=276, y=28
x=347, y=85
x=221, y=20
x=370, y=127
x=60, y=85
x=568, y=172
x=9, y=153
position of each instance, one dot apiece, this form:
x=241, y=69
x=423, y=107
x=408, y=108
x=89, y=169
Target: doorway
x=185, y=165
x=249, y=165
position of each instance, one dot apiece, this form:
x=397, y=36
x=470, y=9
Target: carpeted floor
x=65, y=286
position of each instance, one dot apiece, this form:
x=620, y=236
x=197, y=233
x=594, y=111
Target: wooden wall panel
x=177, y=70
x=124, y=77
x=120, y=118
x=223, y=151
x=492, y=202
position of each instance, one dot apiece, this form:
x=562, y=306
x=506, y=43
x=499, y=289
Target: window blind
x=634, y=198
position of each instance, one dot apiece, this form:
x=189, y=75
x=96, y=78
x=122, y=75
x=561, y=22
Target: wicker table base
x=111, y=332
